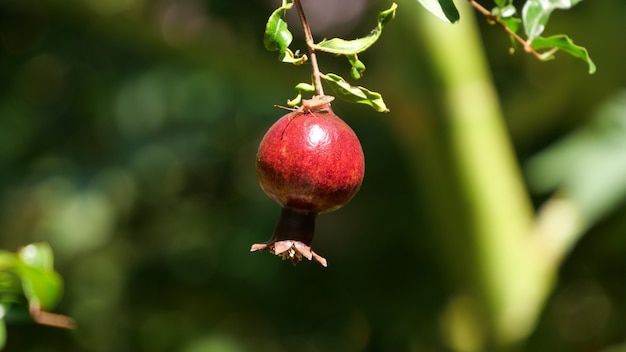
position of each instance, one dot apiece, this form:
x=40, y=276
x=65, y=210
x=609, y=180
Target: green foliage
x=40, y=282
x=352, y=47
x=30, y=274
x=564, y=43
x=130, y=146
x=359, y=95
x=534, y=19
x=300, y=89
x=278, y=37
x=535, y=16
x=445, y=10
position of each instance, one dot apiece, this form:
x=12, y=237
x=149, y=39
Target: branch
x=308, y=37
x=495, y=19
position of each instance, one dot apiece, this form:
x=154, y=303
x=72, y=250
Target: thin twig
x=491, y=17
x=308, y=37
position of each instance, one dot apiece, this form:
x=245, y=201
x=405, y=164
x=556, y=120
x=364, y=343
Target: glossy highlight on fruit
x=310, y=162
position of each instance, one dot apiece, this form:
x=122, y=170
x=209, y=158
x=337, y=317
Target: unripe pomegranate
x=310, y=162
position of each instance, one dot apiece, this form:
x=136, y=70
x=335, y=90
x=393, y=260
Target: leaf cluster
x=534, y=18
x=278, y=38
x=28, y=275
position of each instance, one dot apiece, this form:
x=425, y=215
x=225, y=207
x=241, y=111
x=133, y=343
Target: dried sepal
x=290, y=249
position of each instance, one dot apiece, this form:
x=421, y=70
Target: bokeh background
x=128, y=132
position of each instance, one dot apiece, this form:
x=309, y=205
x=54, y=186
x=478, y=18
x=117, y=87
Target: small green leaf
x=564, y=43
x=358, y=67
x=536, y=13
x=512, y=23
x=350, y=47
x=277, y=36
x=507, y=11
x=295, y=101
x=445, y=10
x=305, y=88
x=300, y=88
x=42, y=286
x=359, y=95
x=36, y=270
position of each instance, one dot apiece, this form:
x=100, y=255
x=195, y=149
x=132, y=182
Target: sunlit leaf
x=39, y=280
x=508, y=11
x=42, y=286
x=564, y=43
x=445, y=10
x=353, y=94
x=305, y=88
x=350, y=47
x=277, y=36
x=300, y=89
x=536, y=13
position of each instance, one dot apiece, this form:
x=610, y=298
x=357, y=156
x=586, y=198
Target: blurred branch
x=558, y=226
x=508, y=282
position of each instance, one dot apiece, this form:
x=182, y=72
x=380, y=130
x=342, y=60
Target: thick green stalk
x=507, y=282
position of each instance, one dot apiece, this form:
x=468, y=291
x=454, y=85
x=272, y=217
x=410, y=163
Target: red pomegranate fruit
x=310, y=162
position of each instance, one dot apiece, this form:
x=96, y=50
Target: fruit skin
x=310, y=162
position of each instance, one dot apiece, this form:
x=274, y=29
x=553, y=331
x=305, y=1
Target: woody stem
x=308, y=37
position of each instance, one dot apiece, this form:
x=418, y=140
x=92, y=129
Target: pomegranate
x=310, y=162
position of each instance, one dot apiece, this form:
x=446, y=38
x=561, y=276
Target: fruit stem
x=295, y=225
x=308, y=37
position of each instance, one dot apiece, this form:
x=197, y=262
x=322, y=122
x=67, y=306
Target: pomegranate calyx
x=290, y=249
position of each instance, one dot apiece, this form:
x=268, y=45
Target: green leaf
x=305, y=88
x=507, y=11
x=536, y=13
x=350, y=47
x=359, y=95
x=564, y=43
x=301, y=88
x=358, y=67
x=10, y=287
x=445, y=10
x=42, y=286
x=277, y=36
x=36, y=270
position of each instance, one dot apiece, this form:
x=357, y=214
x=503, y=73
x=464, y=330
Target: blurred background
x=128, y=133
